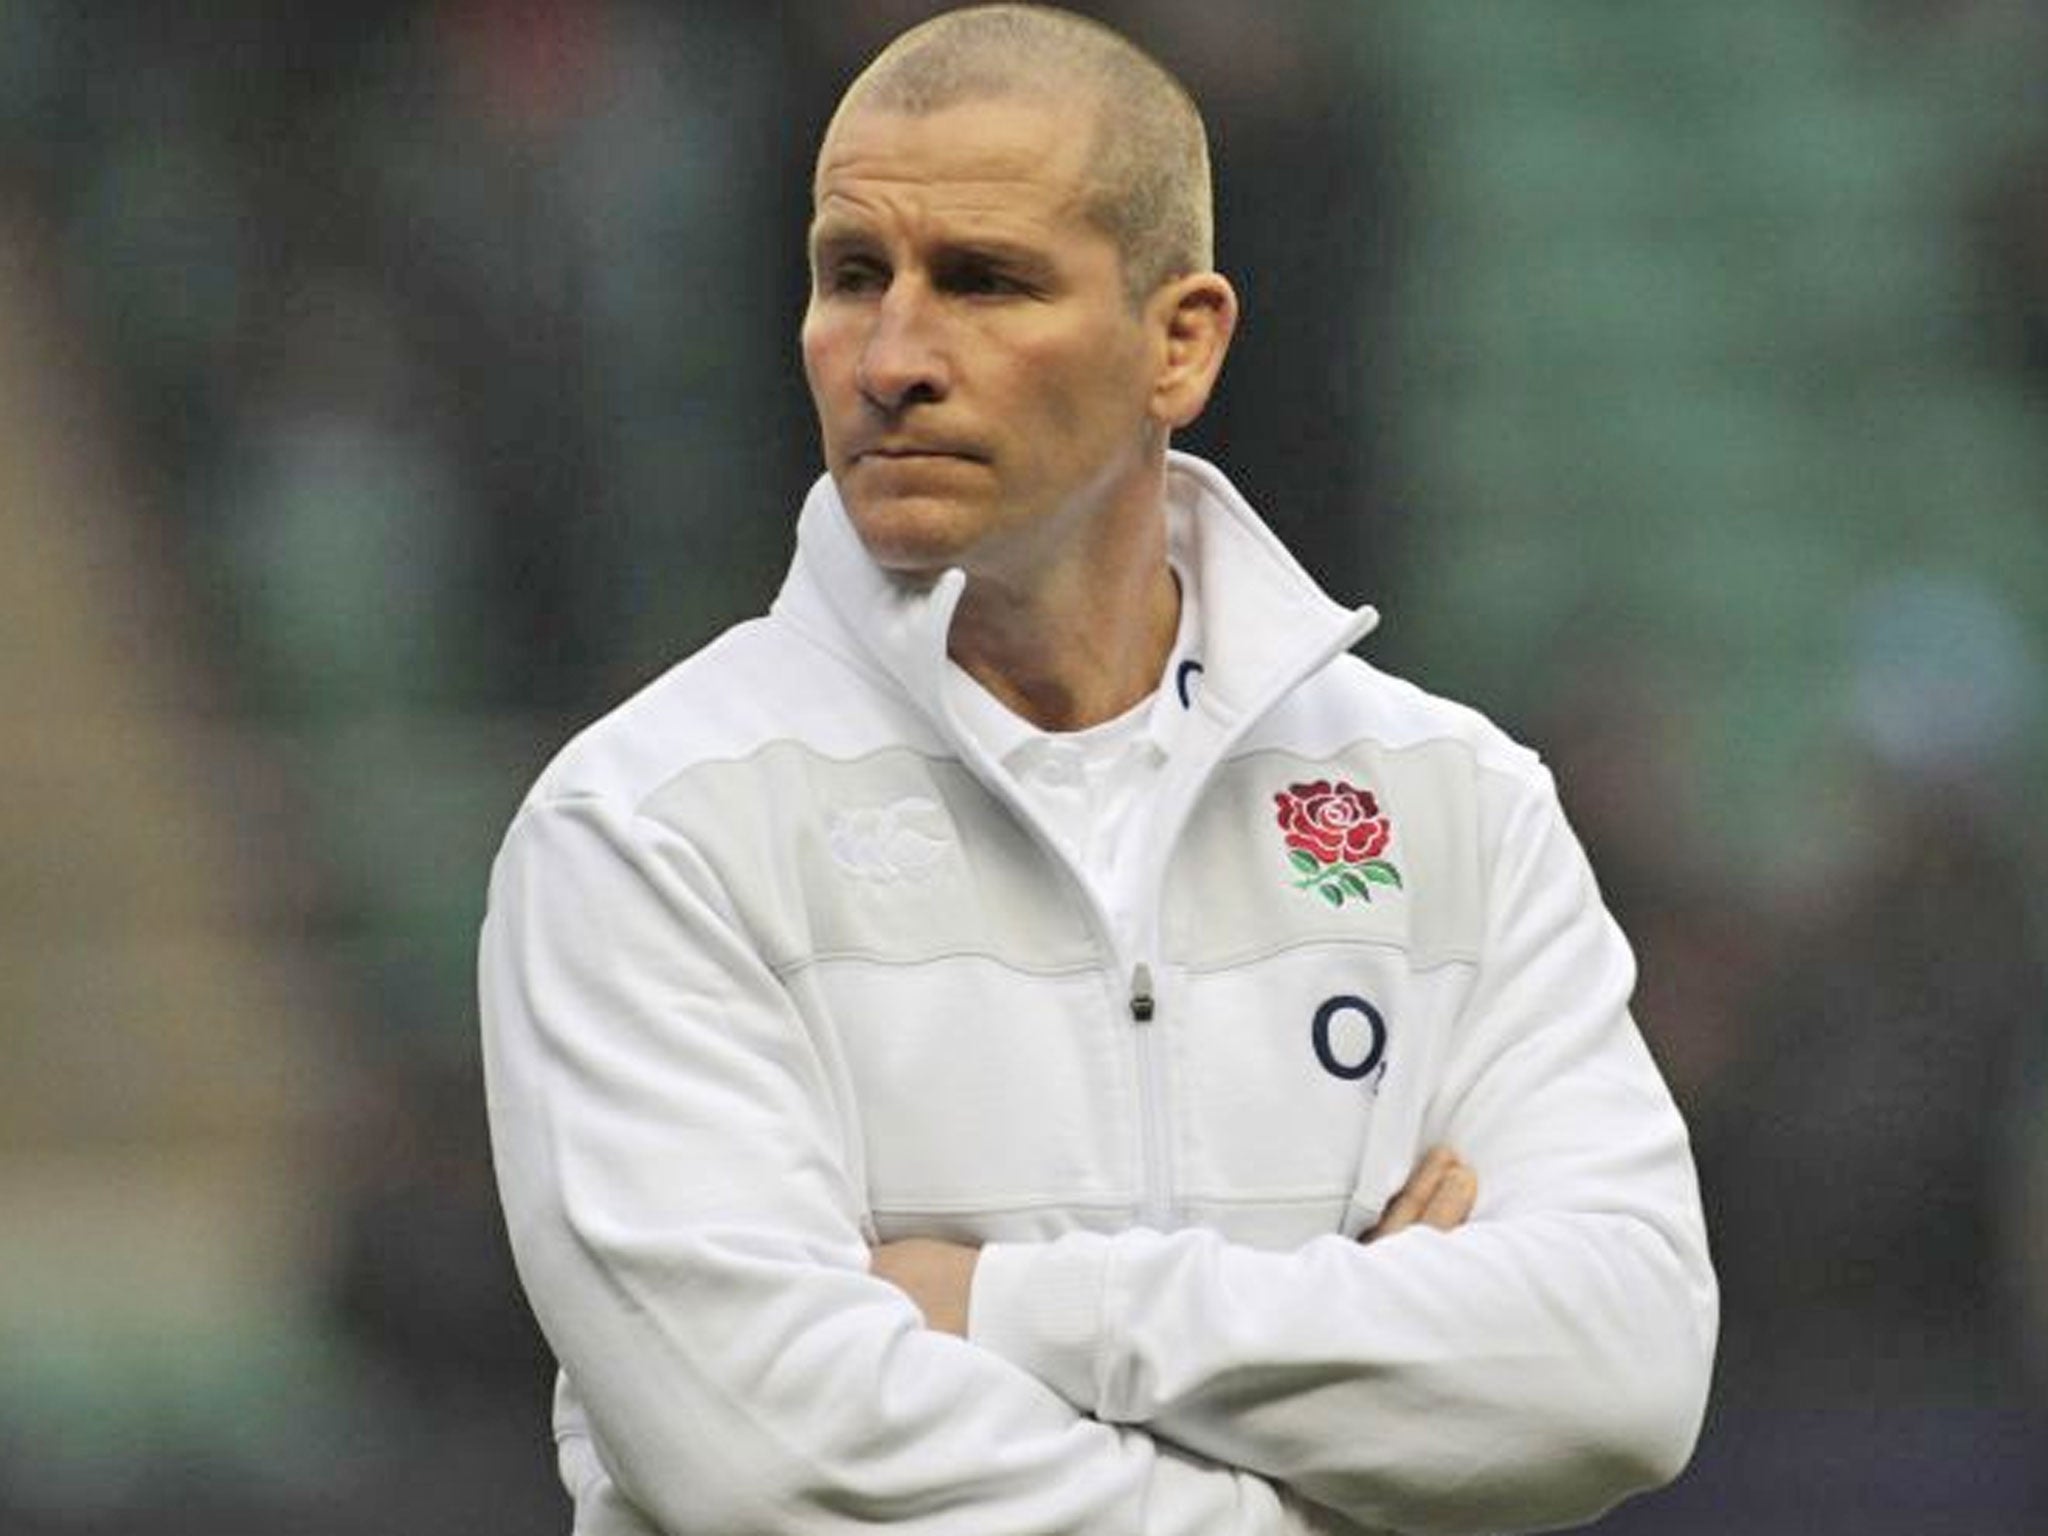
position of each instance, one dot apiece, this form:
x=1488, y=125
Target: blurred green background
x=386, y=389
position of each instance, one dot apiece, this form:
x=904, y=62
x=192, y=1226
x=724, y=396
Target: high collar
x=1266, y=623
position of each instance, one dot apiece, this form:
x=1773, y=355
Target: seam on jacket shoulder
x=797, y=743
x=1238, y=959
x=789, y=967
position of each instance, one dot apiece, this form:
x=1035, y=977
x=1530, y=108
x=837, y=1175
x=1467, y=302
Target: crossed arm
x=938, y=1277
x=675, y=1180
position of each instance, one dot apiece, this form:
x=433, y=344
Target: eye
x=981, y=278
x=852, y=275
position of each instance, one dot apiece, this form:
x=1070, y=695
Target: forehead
x=1001, y=161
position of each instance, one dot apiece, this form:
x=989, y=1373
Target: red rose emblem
x=1335, y=835
x=1335, y=823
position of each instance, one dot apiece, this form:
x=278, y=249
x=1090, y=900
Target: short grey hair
x=1150, y=156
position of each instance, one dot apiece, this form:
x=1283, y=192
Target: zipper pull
x=1141, y=993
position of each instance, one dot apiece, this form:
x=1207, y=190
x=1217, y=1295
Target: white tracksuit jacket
x=777, y=964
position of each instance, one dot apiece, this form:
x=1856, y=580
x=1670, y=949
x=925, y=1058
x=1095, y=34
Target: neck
x=1066, y=659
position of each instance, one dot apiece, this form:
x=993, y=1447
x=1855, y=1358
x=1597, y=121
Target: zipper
x=1156, y=1210
x=1143, y=1005
x=1155, y=1173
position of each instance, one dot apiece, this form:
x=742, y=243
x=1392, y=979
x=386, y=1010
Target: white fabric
x=778, y=961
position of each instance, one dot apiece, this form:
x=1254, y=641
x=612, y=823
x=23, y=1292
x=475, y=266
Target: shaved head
x=1148, y=160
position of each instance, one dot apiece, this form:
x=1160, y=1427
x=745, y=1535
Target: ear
x=1194, y=318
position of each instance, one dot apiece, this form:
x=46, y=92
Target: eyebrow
x=828, y=232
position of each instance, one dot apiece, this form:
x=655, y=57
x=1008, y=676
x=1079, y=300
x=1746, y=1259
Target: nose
x=902, y=359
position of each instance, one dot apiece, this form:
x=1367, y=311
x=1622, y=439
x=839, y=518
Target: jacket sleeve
x=1526, y=1371
x=677, y=1190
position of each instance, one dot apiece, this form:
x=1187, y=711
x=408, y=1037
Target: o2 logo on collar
x=1350, y=1039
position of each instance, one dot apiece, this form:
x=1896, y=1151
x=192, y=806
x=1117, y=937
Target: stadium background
x=386, y=388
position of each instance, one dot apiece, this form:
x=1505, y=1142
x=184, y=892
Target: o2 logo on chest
x=1350, y=1039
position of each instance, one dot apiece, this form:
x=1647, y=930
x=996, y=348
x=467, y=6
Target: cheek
x=812, y=353
x=823, y=347
x=829, y=376
x=1080, y=392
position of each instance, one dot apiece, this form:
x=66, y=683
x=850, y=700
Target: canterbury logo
x=899, y=841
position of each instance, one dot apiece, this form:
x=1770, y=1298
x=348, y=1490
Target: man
x=947, y=1040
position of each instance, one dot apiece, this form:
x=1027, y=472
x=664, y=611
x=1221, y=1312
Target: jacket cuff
x=1039, y=1306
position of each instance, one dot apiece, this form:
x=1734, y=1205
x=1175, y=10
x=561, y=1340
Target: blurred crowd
x=1677, y=387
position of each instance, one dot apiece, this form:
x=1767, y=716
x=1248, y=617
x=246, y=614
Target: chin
x=912, y=535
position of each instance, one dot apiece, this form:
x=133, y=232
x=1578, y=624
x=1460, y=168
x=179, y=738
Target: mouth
x=914, y=453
